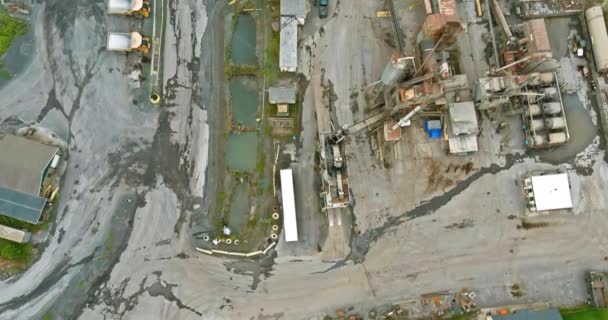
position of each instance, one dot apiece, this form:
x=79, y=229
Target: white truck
x=128, y=42
x=139, y=8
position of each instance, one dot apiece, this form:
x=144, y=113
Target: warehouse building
x=24, y=167
x=293, y=13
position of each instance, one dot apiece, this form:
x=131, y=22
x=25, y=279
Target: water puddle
x=244, y=101
x=242, y=151
x=239, y=207
x=243, y=41
x=582, y=132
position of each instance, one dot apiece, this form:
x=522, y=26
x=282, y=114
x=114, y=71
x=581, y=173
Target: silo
x=599, y=37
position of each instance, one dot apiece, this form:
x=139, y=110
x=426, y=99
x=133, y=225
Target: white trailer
x=290, y=224
x=129, y=7
x=127, y=42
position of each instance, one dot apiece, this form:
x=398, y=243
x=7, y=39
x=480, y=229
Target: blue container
x=433, y=128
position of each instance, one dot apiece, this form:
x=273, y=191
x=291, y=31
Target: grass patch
x=9, y=29
x=253, y=221
x=584, y=312
x=271, y=70
x=261, y=164
x=12, y=251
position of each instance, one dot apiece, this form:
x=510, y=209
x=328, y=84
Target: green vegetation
x=9, y=29
x=15, y=251
x=47, y=317
x=261, y=164
x=584, y=312
x=233, y=70
x=270, y=69
x=253, y=221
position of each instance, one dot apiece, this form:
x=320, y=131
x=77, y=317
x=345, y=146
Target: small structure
x=290, y=224
x=14, y=235
x=24, y=166
x=527, y=314
x=548, y=192
x=282, y=97
x=462, y=127
x=293, y=13
x=596, y=285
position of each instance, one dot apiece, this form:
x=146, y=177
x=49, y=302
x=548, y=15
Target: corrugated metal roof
x=288, y=53
x=549, y=314
x=293, y=8
x=538, y=38
x=22, y=162
x=21, y=206
x=463, y=119
x=282, y=95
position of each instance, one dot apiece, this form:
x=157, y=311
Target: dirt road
x=121, y=246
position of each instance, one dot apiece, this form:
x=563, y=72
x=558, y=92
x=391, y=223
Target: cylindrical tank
x=549, y=108
x=554, y=138
x=555, y=123
x=549, y=123
x=550, y=93
x=427, y=57
x=546, y=78
x=394, y=71
x=599, y=37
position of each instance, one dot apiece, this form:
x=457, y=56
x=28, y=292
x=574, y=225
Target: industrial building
x=548, y=192
x=462, y=128
x=24, y=170
x=293, y=13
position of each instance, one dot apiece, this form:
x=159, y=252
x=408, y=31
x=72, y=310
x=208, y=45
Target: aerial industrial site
x=303, y=159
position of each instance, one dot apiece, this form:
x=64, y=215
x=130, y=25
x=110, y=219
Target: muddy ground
x=137, y=178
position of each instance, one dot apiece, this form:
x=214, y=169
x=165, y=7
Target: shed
x=294, y=8
x=288, y=51
x=23, y=167
x=549, y=314
x=537, y=36
x=23, y=163
x=278, y=95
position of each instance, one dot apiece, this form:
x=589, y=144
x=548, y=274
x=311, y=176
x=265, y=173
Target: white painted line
x=331, y=219
x=339, y=219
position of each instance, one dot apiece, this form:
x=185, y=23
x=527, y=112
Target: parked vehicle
x=323, y=8
x=129, y=7
x=127, y=42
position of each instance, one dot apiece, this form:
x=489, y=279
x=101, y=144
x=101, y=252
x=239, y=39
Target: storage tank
x=549, y=123
x=554, y=138
x=599, y=37
x=549, y=108
x=550, y=93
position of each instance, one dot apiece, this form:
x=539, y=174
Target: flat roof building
x=290, y=224
x=548, y=192
x=23, y=166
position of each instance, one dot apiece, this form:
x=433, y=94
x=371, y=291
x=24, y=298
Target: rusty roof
x=538, y=39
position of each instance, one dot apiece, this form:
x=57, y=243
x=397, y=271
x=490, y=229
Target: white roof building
x=548, y=192
x=288, y=52
x=290, y=224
